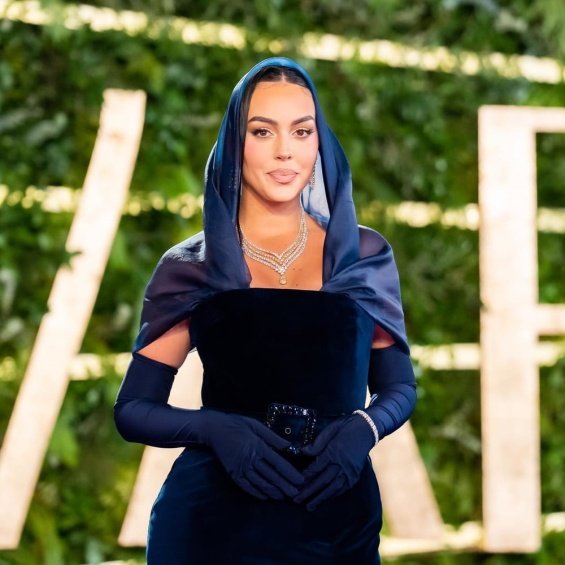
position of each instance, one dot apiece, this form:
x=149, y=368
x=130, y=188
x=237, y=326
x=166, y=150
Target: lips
x=283, y=176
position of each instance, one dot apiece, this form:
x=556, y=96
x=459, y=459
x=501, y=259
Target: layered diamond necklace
x=279, y=262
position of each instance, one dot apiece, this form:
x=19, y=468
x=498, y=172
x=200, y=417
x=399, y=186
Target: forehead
x=282, y=100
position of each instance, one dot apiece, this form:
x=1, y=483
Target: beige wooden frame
x=511, y=321
x=70, y=306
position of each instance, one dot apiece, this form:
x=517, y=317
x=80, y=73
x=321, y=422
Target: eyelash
x=308, y=131
x=258, y=131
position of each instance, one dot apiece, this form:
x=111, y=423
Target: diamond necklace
x=279, y=262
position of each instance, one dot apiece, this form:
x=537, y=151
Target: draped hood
x=357, y=261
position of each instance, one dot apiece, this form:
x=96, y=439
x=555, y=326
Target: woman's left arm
x=343, y=446
x=392, y=385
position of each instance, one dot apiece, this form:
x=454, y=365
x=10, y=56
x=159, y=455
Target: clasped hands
x=247, y=450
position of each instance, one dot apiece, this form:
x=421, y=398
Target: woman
x=294, y=309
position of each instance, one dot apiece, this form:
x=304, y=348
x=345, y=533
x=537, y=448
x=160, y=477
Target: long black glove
x=342, y=447
x=244, y=446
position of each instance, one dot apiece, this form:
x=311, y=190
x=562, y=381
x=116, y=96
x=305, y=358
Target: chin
x=275, y=193
x=280, y=194
x=282, y=198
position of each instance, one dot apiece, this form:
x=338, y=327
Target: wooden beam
x=70, y=306
x=510, y=322
x=409, y=503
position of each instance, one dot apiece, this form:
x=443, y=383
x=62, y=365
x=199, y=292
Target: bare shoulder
x=381, y=338
x=172, y=347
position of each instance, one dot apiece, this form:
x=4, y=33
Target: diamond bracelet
x=369, y=421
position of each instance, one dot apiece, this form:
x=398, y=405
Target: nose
x=283, y=149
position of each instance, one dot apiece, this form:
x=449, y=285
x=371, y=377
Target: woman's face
x=281, y=141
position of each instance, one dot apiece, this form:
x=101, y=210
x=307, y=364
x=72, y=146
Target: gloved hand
x=244, y=446
x=246, y=449
x=341, y=448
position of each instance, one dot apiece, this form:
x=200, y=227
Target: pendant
x=282, y=280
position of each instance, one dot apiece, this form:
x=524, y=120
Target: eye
x=304, y=132
x=261, y=132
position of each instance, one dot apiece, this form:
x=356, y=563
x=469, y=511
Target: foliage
x=409, y=135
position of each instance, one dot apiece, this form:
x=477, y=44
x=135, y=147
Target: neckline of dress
x=284, y=289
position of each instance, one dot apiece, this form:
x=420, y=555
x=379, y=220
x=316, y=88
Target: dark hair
x=268, y=74
x=278, y=74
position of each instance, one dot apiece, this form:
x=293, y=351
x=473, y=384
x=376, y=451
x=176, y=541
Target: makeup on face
x=281, y=144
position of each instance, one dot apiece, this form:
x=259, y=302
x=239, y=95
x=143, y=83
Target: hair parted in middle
x=268, y=74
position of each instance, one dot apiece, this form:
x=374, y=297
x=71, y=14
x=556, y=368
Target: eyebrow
x=273, y=122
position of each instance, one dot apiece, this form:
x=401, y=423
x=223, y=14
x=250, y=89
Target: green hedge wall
x=409, y=135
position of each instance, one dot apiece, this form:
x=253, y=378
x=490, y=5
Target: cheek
x=311, y=152
x=253, y=155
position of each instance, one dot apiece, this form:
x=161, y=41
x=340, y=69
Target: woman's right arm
x=141, y=411
x=244, y=446
x=172, y=347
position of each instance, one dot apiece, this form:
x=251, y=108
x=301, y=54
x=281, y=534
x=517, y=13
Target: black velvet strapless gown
x=261, y=345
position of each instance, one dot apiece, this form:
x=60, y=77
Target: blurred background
x=410, y=132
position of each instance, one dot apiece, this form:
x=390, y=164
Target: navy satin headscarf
x=357, y=261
